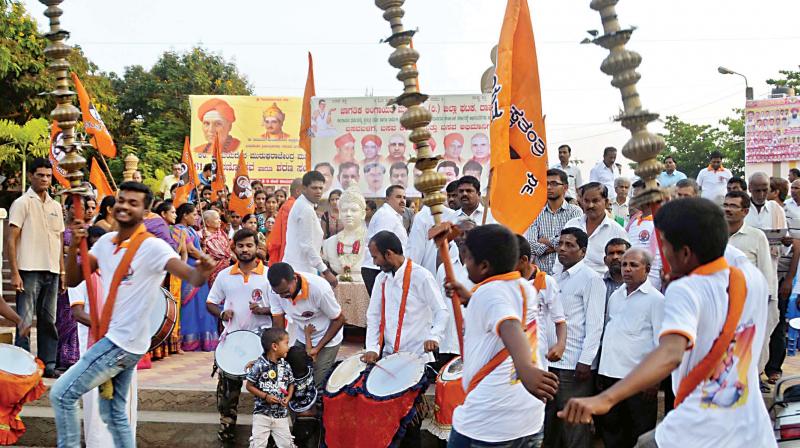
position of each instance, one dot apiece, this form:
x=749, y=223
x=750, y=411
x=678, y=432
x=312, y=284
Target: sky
x=682, y=43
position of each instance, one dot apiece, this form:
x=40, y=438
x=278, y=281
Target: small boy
x=272, y=383
x=306, y=429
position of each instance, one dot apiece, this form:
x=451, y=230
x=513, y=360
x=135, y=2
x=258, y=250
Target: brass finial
x=131, y=165
x=644, y=146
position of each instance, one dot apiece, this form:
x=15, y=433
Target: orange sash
x=503, y=354
x=98, y=331
x=403, y=299
x=737, y=294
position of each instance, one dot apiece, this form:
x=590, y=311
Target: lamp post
x=748, y=91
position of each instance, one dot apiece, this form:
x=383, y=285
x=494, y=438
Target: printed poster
x=772, y=130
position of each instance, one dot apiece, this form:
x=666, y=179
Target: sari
x=218, y=246
x=198, y=326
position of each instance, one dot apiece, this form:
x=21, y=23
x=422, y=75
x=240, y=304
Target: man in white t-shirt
x=239, y=297
x=388, y=217
x=307, y=300
x=725, y=408
x=713, y=181
x=115, y=355
x=505, y=406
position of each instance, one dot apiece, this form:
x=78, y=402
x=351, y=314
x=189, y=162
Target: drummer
x=241, y=290
x=115, y=355
x=307, y=300
x=406, y=296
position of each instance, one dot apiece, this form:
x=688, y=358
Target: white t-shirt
x=725, y=410
x=500, y=408
x=449, y=343
x=314, y=304
x=129, y=328
x=714, y=184
x=236, y=292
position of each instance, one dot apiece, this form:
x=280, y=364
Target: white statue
x=345, y=251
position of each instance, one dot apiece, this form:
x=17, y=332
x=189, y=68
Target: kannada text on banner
x=266, y=128
x=359, y=141
x=772, y=130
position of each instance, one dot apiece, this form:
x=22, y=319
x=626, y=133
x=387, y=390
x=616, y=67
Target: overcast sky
x=682, y=43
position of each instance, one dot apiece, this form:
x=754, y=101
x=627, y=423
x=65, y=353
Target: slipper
x=773, y=378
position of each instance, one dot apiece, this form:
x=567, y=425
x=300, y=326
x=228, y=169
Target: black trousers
x=629, y=419
x=369, y=276
x=557, y=433
x=777, y=341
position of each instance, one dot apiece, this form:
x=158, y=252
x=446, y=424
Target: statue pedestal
x=354, y=301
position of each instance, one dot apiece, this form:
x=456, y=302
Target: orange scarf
x=401, y=317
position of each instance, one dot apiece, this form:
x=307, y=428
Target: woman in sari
x=331, y=225
x=105, y=215
x=167, y=211
x=216, y=243
x=198, y=326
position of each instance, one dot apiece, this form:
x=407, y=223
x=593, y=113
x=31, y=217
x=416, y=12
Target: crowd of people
x=614, y=295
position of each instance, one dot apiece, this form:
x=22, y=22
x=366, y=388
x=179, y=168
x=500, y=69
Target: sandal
x=773, y=378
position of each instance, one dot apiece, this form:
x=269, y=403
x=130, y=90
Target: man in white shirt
x=582, y=295
x=169, y=180
x=388, y=217
x=501, y=315
x=469, y=197
x=305, y=300
x=238, y=297
x=725, y=407
x=642, y=234
x=600, y=228
x=635, y=311
x=713, y=181
x=620, y=207
x=448, y=346
x=670, y=176
x=407, y=306
x=606, y=170
x=573, y=173
x=421, y=249
x=751, y=241
x=304, y=233
x=115, y=355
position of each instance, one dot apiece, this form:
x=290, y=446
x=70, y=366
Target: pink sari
x=218, y=247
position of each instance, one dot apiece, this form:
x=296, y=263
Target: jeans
x=558, y=434
x=41, y=290
x=458, y=440
x=628, y=419
x=103, y=361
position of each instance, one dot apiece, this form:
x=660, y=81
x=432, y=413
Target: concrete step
x=154, y=429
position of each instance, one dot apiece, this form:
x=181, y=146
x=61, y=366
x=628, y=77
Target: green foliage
x=29, y=140
x=791, y=78
x=690, y=144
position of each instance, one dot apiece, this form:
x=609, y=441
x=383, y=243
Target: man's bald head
x=296, y=188
x=636, y=265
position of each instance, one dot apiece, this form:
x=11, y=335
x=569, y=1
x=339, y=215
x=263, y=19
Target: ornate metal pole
x=643, y=147
x=416, y=119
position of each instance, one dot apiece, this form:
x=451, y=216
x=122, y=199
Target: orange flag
x=92, y=123
x=217, y=169
x=517, y=191
x=305, y=116
x=98, y=178
x=242, y=201
x=56, y=154
x=188, y=180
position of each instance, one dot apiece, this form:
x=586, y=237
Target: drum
x=305, y=393
x=449, y=395
x=162, y=318
x=346, y=374
x=395, y=374
x=236, y=350
x=20, y=382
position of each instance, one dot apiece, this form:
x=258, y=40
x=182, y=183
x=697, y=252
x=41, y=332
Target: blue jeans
x=41, y=290
x=458, y=440
x=101, y=362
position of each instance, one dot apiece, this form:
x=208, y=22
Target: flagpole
x=488, y=197
x=110, y=176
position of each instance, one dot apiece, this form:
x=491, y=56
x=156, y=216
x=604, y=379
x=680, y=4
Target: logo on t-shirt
x=644, y=236
x=308, y=314
x=255, y=296
x=727, y=385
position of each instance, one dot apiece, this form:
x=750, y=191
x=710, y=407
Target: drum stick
x=449, y=276
x=385, y=370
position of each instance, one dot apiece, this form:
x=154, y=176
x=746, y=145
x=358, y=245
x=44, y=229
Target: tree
x=791, y=78
x=690, y=144
x=18, y=142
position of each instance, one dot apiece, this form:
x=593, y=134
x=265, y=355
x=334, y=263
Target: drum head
x=16, y=361
x=305, y=393
x=346, y=373
x=795, y=323
x=236, y=350
x=394, y=374
x=452, y=370
x=158, y=311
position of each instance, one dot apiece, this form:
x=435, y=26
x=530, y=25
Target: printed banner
x=266, y=129
x=360, y=141
x=772, y=130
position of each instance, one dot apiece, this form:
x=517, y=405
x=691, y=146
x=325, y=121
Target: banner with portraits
x=772, y=130
x=266, y=128
x=360, y=141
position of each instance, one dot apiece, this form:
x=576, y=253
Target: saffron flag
x=242, y=200
x=517, y=191
x=98, y=178
x=57, y=154
x=92, y=123
x=305, y=116
x=188, y=179
x=217, y=170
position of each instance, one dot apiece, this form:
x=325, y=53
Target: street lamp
x=748, y=91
